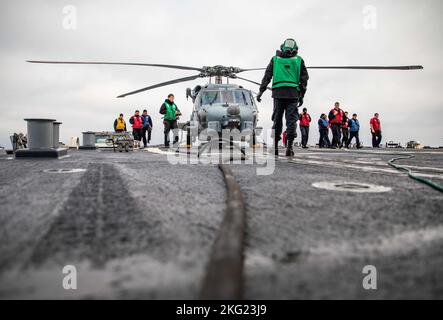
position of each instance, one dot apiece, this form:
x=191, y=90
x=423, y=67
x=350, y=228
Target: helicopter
x=219, y=107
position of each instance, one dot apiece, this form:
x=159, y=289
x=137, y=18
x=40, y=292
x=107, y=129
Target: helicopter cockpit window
x=241, y=97
x=210, y=97
x=227, y=96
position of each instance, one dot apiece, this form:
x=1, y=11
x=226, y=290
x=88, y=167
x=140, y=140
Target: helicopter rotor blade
x=253, y=69
x=414, y=67
x=119, y=63
x=257, y=83
x=160, y=85
x=248, y=80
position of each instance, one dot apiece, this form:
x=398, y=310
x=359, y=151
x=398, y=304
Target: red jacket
x=305, y=119
x=137, y=122
x=375, y=124
x=338, y=118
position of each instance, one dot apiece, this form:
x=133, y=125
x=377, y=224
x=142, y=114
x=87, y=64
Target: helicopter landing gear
x=220, y=142
x=276, y=139
x=188, y=138
x=253, y=141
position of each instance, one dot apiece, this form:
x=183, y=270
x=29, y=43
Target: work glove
x=300, y=101
x=259, y=96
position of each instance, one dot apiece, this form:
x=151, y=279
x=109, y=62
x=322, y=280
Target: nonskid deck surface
x=137, y=225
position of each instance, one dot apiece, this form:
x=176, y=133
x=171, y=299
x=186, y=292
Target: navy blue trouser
x=345, y=135
x=376, y=139
x=304, y=135
x=170, y=125
x=290, y=109
x=353, y=134
x=144, y=131
x=336, y=134
x=324, y=138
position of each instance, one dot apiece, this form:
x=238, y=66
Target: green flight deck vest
x=170, y=111
x=286, y=72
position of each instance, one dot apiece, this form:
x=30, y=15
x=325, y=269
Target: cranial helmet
x=289, y=46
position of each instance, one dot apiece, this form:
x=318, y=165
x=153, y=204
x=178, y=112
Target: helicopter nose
x=233, y=110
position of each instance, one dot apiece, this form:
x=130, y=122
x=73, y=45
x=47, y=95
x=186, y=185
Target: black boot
x=289, y=149
x=289, y=152
x=276, y=140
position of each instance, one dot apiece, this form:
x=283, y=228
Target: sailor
x=354, y=128
x=290, y=80
x=147, y=127
x=137, y=125
x=120, y=124
x=171, y=113
x=305, y=120
x=336, y=121
x=375, y=131
x=323, y=128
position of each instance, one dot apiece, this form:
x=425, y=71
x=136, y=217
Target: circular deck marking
x=64, y=170
x=351, y=187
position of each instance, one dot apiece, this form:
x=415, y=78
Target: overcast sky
x=238, y=33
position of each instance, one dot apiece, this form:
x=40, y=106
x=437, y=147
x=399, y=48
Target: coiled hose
x=430, y=183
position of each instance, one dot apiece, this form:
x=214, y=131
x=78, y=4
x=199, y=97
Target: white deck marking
x=356, y=164
x=345, y=165
x=312, y=158
x=398, y=243
x=341, y=186
x=159, y=151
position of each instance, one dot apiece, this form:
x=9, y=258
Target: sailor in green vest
x=289, y=78
x=171, y=114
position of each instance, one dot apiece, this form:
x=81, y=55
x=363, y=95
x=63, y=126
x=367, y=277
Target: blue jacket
x=322, y=123
x=354, y=125
x=147, y=122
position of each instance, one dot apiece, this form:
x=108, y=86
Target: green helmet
x=289, y=46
